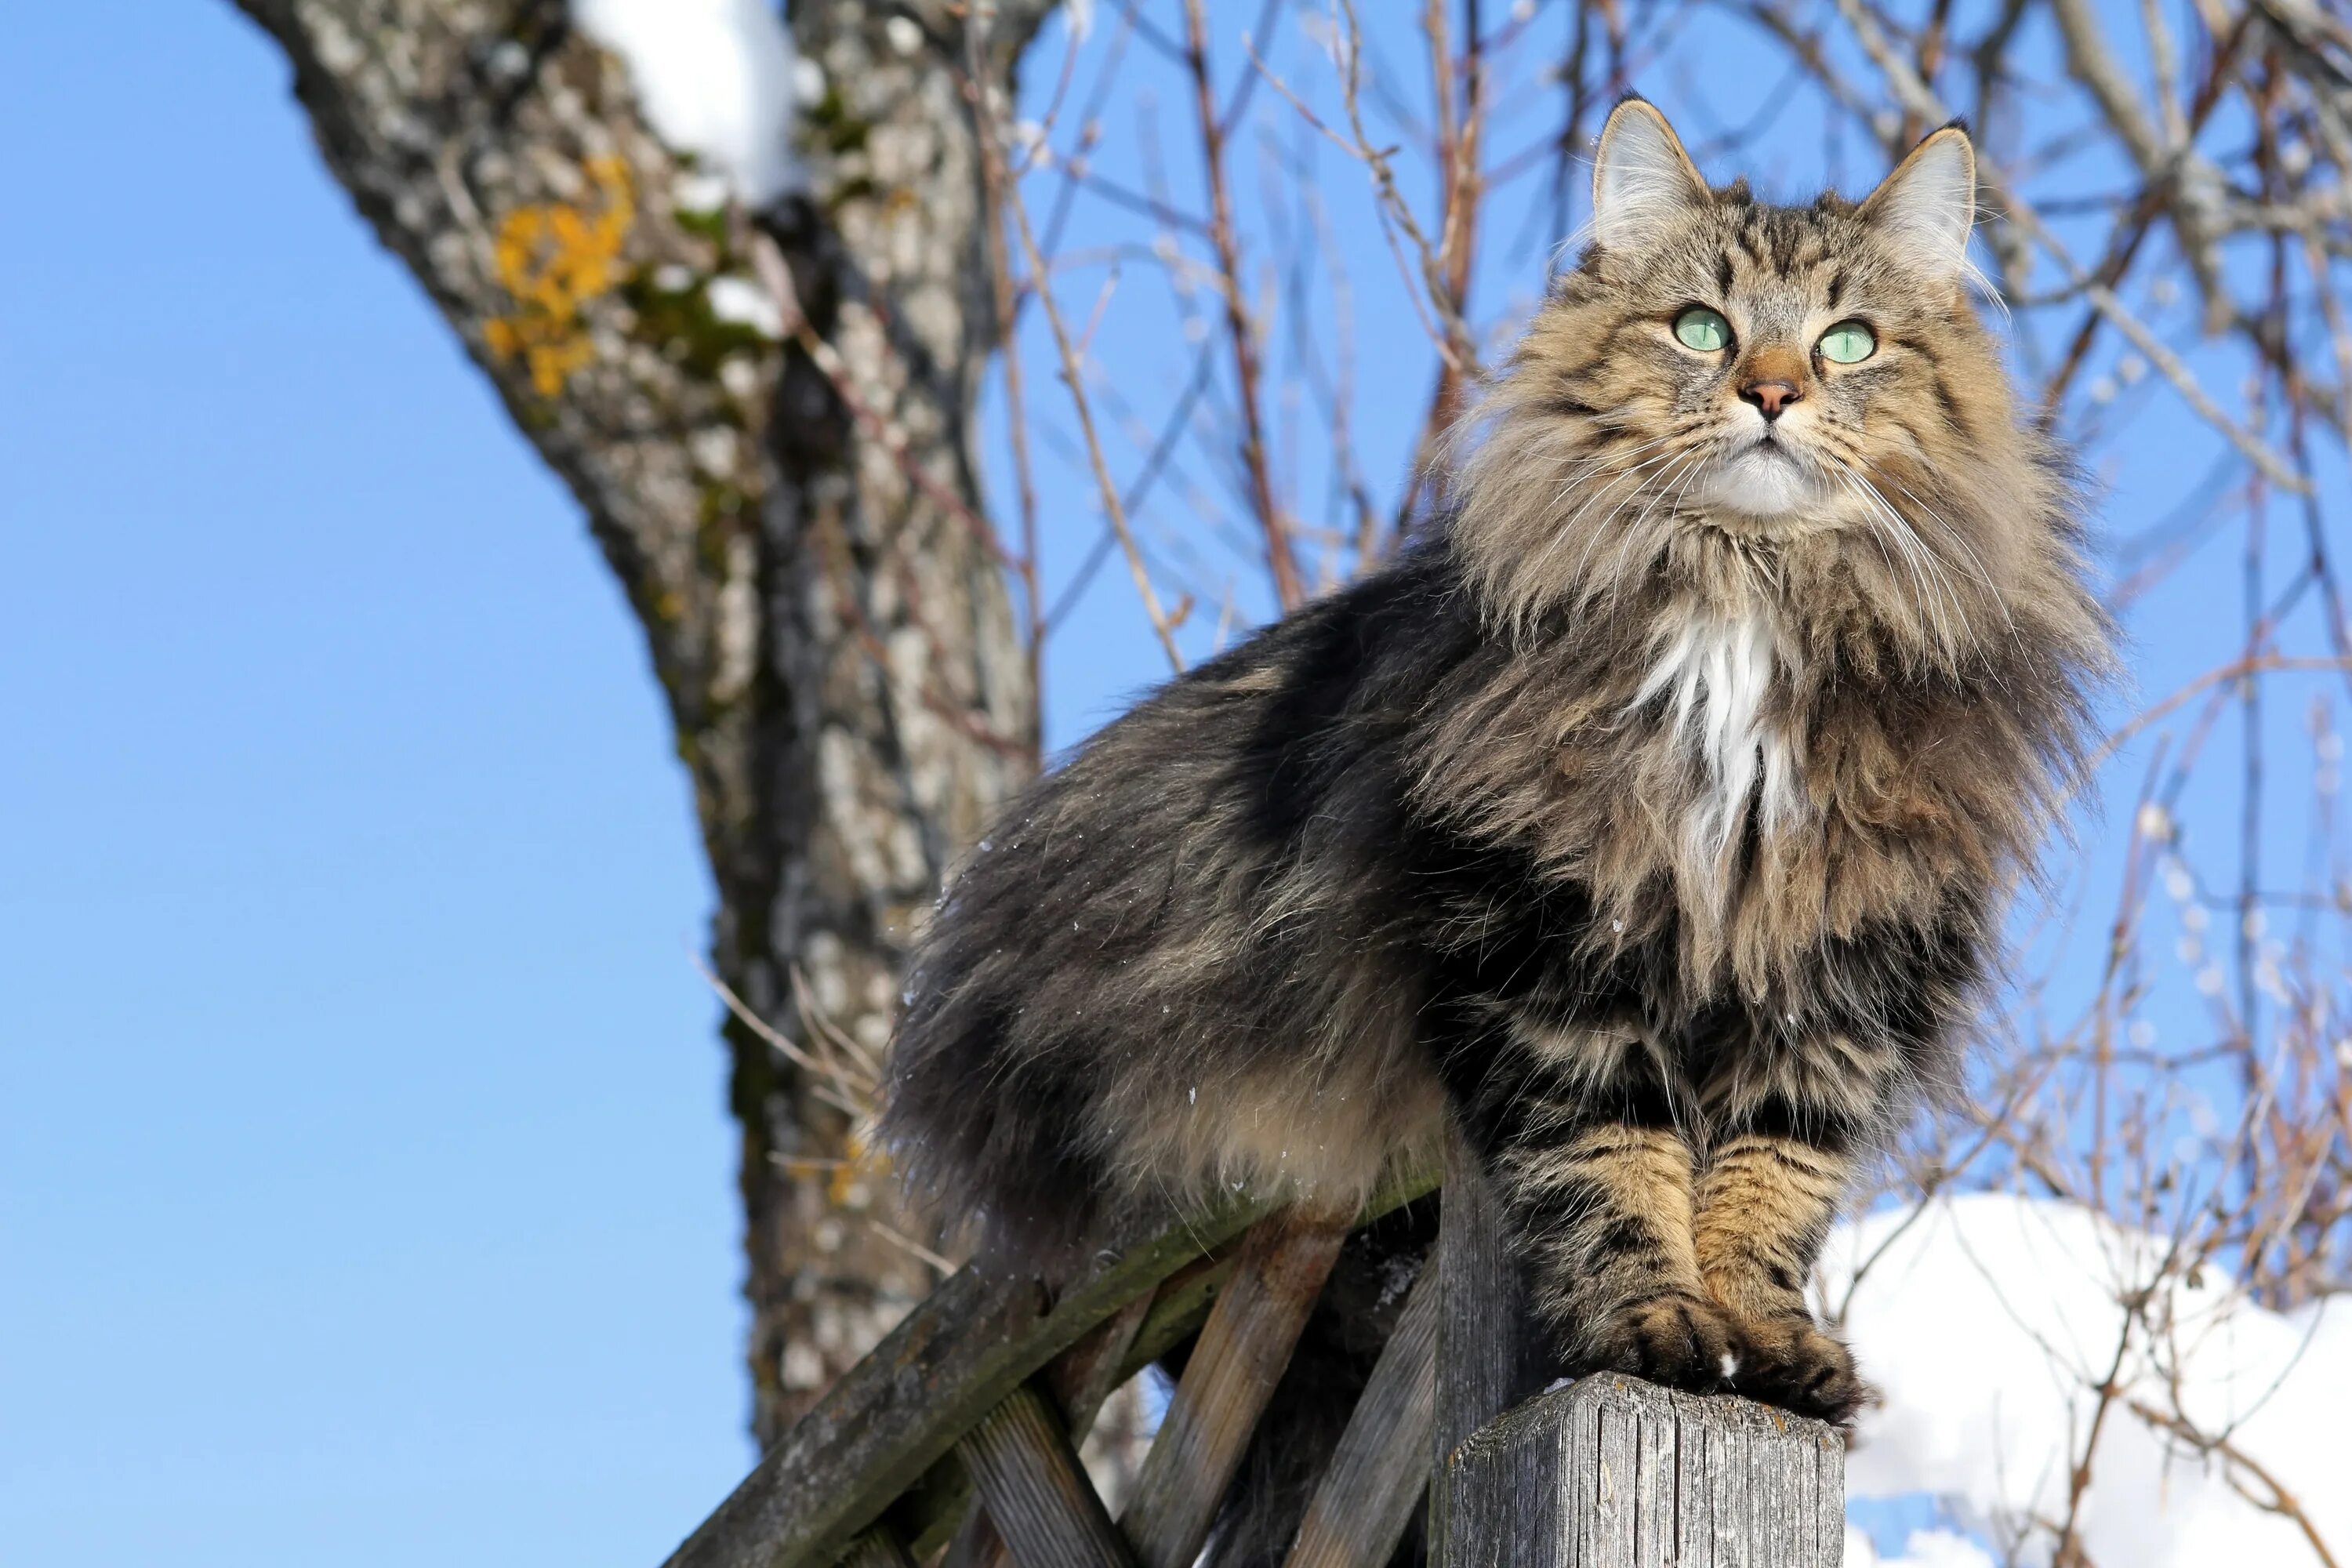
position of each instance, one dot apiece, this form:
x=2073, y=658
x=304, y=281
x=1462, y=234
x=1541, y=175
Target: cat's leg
x=1579, y=1131
x=1785, y=1154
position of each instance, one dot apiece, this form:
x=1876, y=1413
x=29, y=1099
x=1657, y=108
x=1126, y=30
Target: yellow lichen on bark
x=849, y=1181
x=551, y=259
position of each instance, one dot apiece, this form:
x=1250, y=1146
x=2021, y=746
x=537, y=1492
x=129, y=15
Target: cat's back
x=1152, y=950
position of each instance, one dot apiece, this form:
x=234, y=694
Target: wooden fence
x=955, y=1440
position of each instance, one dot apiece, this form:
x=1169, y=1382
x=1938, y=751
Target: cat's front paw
x=1791, y=1363
x=1681, y=1339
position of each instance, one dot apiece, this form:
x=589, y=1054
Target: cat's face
x=1719, y=366
x=1777, y=355
x=1773, y=354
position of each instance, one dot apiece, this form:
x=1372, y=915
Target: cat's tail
x=1310, y=1406
x=992, y=1141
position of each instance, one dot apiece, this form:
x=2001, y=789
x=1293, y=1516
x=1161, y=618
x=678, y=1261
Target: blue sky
x=365, y=1189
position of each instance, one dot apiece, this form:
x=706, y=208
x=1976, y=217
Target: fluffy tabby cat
x=1653, y=813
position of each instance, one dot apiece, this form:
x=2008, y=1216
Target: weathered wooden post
x=1614, y=1473
x=1607, y=1473
x=956, y=1434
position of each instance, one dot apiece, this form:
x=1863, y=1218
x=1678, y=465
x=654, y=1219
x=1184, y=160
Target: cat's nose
x=1771, y=396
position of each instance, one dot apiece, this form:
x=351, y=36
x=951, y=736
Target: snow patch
x=745, y=303
x=717, y=78
x=1989, y=1322
x=1925, y=1548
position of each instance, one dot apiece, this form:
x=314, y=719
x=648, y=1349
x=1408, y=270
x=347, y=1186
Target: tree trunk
x=823, y=605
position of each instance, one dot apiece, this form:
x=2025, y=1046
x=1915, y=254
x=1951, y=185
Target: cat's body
x=1653, y=813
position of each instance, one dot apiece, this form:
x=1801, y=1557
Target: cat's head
x=1810, y=382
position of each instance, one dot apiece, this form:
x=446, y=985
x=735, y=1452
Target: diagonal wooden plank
x=1084, y=1377
x=1037, y=1494
x=1182, y=1305
x=887, y=1430
x=877, y=1548
x=901, y=1410
x=1378, y=1473
x=1078, y=1380
x=1090, y=1371
x=1230, y=1373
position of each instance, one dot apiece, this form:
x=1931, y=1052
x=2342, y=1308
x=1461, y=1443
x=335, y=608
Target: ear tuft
x=1642, y=180
x=1928, y=206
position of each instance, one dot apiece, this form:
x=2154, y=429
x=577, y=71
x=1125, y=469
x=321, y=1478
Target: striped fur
x=1652, y=814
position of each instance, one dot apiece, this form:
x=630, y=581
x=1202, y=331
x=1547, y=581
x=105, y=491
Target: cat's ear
x=1926, y=208
x=1642, y=180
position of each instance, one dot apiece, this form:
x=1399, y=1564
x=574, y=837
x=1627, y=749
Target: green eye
x=1701, y=328
x=1848, y=343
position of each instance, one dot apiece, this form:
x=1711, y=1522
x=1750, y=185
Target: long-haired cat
x=1652, y=814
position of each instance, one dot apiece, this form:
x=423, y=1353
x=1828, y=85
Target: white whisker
x=1567, y=528
x=1983, y=576
x=1945, y=605
x=1926, y=604
x=1634, y=533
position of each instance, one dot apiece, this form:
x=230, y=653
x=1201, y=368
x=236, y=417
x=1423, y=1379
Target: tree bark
x=821, y=599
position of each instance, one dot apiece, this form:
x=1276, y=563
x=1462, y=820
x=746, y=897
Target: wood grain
x=1381, y=1470
x=1482, y=1340
x=877, y=1431
x=1078, y=1381
x=877, y=1548
x=885, y=1432
x=1038, y=1495
x=1615, y=1473
x=1228, y=1378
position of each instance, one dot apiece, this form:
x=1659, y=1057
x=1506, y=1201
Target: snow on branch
x=717, y=78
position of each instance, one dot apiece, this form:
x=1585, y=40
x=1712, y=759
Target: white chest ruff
x=1719, y=673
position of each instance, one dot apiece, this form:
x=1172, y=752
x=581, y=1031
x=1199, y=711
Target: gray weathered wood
x=1037, y=1494
x=887, y=1431
x=1381, y=1468
x=1231, y=1372
x=1173, y=1314
x=1078, y=1381
x=1615, y=1473
x=877, y=1548
x=901, y=1410
x=1083, y=1378
x=1482, y=1349
x=1185, y=1300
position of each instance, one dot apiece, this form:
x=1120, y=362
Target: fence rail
x=955, y=1441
